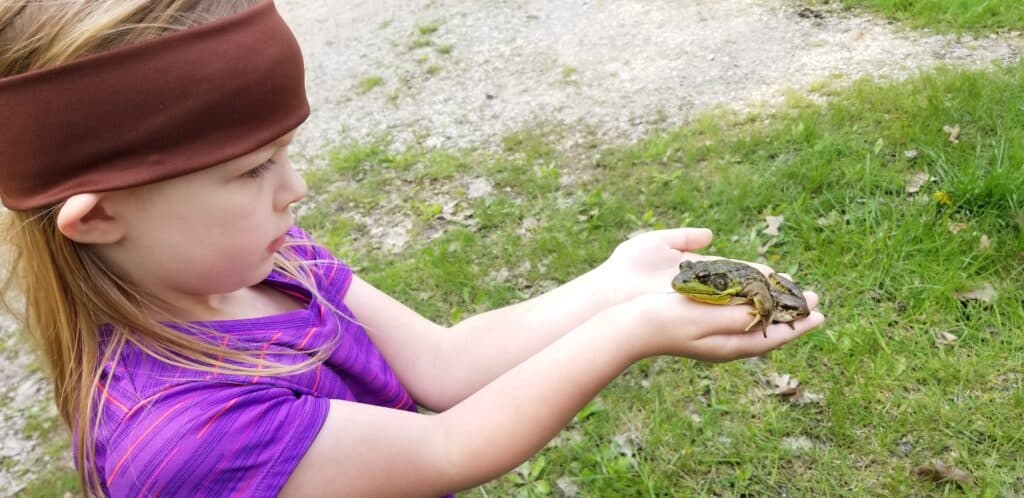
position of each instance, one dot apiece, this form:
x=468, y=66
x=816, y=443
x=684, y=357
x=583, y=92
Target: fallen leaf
x=944, y=338
x=788, y=388
x=985, y=294
x=916, y=181
x=773, y=225
x=783, y=384
x=938, y=471
x=954, y=133
x=957, y=227
x=984, y=244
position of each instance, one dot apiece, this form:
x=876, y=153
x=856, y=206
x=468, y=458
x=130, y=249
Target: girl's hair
x=61, y=291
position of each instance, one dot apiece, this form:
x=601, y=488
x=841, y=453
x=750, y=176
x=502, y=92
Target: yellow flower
x=942, y=198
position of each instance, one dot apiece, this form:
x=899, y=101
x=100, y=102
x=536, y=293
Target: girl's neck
x=249, y=302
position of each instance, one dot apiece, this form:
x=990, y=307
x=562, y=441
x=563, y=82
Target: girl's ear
x=84, y=219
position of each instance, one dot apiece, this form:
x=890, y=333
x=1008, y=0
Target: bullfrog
x=775, y=298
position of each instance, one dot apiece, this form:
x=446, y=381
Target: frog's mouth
x=710, y=298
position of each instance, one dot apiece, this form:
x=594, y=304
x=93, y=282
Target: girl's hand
x=669, y=323
x=647, y=262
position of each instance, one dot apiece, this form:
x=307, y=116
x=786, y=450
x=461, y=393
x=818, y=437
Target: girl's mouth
x=276, y=244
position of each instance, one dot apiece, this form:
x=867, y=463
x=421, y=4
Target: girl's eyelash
x=259, y=170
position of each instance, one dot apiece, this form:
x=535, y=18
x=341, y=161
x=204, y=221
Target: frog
x=775, y=298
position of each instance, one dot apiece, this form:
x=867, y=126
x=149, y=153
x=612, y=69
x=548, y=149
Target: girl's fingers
x=725, y=347
x=717, y=319
x=811, y=298
x=686, y=239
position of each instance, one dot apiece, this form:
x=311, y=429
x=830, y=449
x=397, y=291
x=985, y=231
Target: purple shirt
x=170, y=431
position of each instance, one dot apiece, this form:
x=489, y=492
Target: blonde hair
x=60, y=290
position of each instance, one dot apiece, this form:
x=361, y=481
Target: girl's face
x=211, y=232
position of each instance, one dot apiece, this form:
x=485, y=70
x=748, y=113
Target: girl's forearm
x=515, y=415
x=480, y=348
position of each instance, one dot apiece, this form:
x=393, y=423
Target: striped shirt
x=170, y=431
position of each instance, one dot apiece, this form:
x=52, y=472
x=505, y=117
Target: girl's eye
x=259, y=170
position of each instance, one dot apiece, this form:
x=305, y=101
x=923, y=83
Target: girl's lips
x=277, y=244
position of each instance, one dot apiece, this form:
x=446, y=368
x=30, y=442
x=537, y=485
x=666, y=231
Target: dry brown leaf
x=774, y=222
x=985, y=294
x=954, y=133
x=783, y=384
x=916, y=181
x=944, y=338
x=803, y=396
x=788, y=388
x=938, y=471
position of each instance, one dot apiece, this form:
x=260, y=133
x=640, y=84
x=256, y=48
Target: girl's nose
x=292, y=189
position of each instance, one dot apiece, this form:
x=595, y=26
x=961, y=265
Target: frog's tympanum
x=723, y=281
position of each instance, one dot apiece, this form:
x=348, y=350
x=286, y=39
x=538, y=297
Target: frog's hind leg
x=757, y=318
x=763, y=320
x=763, y=306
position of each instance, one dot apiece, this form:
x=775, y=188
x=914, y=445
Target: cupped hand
x=669, y=323
x=647, y=262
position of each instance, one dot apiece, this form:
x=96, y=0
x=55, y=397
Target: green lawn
x=908, y=371
x=947, y=15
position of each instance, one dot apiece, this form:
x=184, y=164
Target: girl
x=202, y=345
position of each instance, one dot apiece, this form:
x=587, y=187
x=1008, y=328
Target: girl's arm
x=363, y=450
x=440, y=367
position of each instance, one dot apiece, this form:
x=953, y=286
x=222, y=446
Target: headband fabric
x=163, y=108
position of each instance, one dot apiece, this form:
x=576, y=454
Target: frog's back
x=737, y=271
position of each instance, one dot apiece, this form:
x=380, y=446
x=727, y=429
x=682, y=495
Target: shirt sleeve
x=212, y=439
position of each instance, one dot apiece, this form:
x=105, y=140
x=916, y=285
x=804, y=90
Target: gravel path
x=599, y=69
x=464, y=74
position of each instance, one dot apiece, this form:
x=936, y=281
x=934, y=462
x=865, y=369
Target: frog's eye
x=720, y=283
x=702, y=276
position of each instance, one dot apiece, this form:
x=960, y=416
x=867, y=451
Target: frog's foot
x=764, y=321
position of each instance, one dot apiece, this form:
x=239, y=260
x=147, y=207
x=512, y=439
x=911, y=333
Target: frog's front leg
x=764, y=304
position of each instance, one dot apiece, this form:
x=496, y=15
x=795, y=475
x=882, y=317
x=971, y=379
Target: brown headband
x=166, y=107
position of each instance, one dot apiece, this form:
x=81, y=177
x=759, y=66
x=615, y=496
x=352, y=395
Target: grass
x=428, y=29
x=888, y=265
x=368, y=83
x=947, y=15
